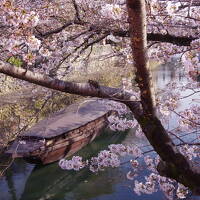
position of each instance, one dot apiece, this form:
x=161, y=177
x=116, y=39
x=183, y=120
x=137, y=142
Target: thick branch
x=83, y=89
x=158, y=37
x=60, y=29
x=177, y=40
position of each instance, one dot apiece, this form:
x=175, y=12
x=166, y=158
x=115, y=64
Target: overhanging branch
x=176, y=40
x=158, y=37
x=83, y=89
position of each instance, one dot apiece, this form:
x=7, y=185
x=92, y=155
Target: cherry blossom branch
x=77, y=10
x=84, y=45
x=195, y=123
x=189, y=95
x=177, y=40
x=83, y=89
x=177, y=137
x=190, y=144
x=100, y=38
x=58, y=30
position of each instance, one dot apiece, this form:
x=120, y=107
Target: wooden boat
x=62, y=134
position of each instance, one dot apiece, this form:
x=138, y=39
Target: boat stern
x=22, y=148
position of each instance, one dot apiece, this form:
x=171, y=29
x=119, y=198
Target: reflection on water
x=166, y=73
x=13, y=183
x=29, y=182
x=51, y=182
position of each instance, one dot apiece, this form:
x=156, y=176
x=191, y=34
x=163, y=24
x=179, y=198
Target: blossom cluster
x=167, y=100
x=111, y=158
x=120, y=124
x=113, y=11
x=164, y=184
x=123, y=150
x=120, y=108
x=146, y=188
x=16, y=16
x=75, y=163
x=104, y=159
x=189, y=152
x=190, y=60
x=154, y=181
x=189, y=118
x=20, y=20
x=172, y=7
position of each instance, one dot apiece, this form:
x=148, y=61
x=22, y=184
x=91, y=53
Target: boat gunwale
x=24, y=137
x=38, y=130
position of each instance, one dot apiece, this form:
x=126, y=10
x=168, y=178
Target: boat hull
x=65, y=145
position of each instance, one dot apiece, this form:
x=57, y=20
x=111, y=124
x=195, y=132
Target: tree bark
x=173, y=164
x=138, y=34
x=83, y=89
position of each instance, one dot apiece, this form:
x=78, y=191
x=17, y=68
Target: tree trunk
x=138, y=34
x=173, y=164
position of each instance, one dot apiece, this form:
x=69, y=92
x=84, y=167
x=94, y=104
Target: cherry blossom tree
x=49, y=35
